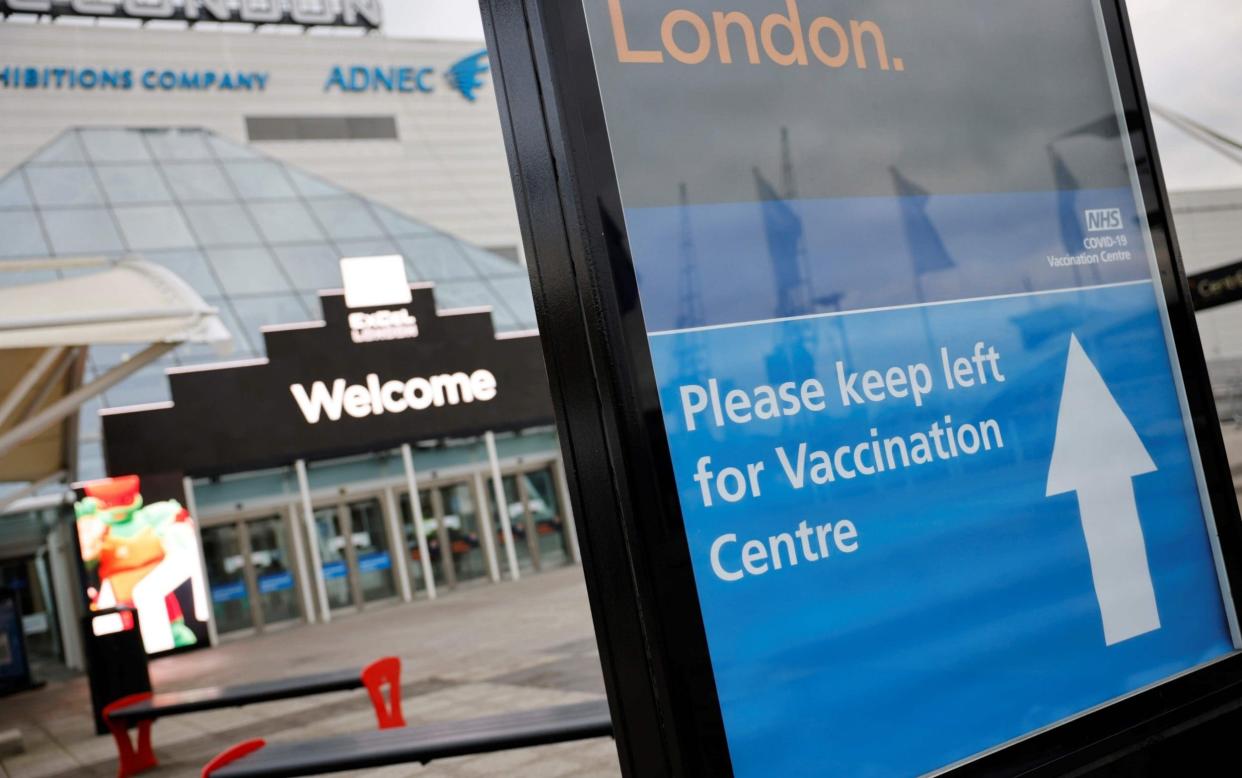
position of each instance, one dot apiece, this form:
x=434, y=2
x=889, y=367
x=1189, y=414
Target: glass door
x=461, y=519
x=226, y=577
x=370, y=544
x=431, y=529
x=26, y=577
x=540, y=498
x=332, y=557
x=524, y=544
x=272, y=560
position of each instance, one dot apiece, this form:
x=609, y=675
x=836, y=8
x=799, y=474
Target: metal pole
x=396, y=545
x=299, y=559
x=487, y=529
x=28, y=381
x=68, y=596
x=502, y=504
x=567, y=512
x=312, y=537
x=191, y=505
x=416, y=507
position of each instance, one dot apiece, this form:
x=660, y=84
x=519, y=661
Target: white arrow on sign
x=1097, y=454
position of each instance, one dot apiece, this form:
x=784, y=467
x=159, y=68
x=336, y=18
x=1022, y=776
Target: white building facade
x=377, y=116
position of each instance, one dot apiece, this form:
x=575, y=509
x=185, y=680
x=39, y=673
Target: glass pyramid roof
x=256, y=237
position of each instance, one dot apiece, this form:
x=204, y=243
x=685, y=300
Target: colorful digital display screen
x=142, y=552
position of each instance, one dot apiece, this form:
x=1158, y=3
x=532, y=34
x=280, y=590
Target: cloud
x=1191, y=63
x=444, y=19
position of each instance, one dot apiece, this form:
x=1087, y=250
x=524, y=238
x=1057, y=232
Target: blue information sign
x=933, y=454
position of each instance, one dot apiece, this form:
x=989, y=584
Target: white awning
x=126, y=301
x=45, y=331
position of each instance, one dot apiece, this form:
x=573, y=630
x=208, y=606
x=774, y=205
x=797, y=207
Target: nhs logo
x=1103, y=219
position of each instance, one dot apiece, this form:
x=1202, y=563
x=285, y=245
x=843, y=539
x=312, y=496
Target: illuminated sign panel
x=363, y=380
x=142, y=552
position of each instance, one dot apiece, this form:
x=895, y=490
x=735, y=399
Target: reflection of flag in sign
x=1067, y=186
x=464, y=75
x=783, y=230
x=926, y=246
x=1104, y=127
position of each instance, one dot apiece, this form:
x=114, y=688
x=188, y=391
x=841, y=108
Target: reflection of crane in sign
x=689, y=297
x=795, y=355
x=785, y=237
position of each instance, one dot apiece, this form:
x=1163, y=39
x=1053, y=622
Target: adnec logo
x=465, y=76
x=375, y=398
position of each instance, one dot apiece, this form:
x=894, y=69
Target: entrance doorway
x=28, y=578
x=454, y=531
x=536, y=517
x=360, y=570
x=250, y=571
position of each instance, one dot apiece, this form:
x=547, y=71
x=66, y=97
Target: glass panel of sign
x=273, y=569
x=226, y=576
x=908, y=330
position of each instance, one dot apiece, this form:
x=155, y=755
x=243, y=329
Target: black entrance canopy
x=364, y=379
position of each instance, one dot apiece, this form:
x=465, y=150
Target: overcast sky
x=1188, y=51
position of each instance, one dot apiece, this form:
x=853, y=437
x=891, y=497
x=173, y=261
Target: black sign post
x=888, y=429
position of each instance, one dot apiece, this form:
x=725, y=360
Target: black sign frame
x=635, y=554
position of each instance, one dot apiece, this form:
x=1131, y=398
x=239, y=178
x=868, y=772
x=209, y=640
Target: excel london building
x=246, y=161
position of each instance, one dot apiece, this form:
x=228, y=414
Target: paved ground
x=490, y=649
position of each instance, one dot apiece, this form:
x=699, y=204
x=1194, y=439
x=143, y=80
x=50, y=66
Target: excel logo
x=1103, y=220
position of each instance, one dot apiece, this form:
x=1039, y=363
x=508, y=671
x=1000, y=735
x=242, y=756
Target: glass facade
x=255, y=237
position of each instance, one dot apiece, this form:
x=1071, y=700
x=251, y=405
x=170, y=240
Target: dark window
x=321, y=127
x=508, y=252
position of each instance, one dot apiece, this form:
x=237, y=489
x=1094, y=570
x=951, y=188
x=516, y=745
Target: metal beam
x=30, y=488
x=312, y=537
x=203, y=605
x=54, y=377
x=18, y=393
x=502, y=504
x=416, y=508
x=71, y=402
x=396, y=544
